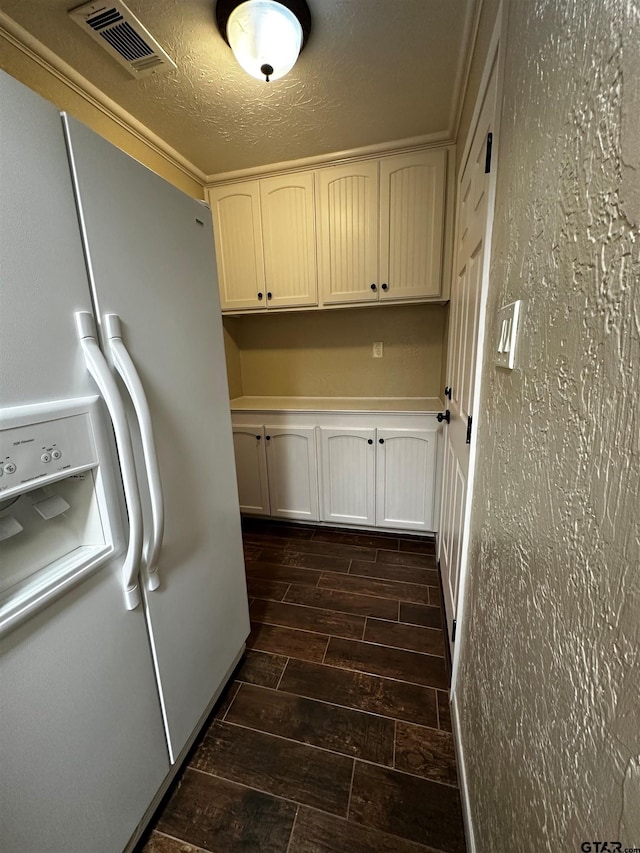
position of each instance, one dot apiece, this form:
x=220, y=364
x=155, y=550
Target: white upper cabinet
x=238, y=238
x=412, y=193
x=364, y=231
x=265, y=235
x=289, y=235
x=348, y=201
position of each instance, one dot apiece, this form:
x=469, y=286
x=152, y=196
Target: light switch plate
x=505, y=351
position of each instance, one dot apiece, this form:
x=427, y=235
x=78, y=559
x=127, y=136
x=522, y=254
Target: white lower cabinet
x=276, y=470
x=292, y=472
x=348, y=470
x=366, y=469
x=405, y=478
x=251, y=468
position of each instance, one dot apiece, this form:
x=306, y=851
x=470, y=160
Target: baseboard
x=462, y=778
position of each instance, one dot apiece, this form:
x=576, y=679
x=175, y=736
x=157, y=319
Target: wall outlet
x=378, y=349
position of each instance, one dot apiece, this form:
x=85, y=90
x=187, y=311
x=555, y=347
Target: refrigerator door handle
x=99, y=370
x=127, y=370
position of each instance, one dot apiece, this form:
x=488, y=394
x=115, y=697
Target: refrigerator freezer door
x=81, y=734
x=151, y=261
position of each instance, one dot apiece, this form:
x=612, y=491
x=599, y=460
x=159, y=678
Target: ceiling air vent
x=120, y=33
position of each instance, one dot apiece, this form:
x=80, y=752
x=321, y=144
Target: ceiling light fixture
x=265, y=36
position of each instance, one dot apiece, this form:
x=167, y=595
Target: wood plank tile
x=435, y=596
x=427, y=670
x=373, y=586
x=444, y=711
x=216, y=815
x=404, y=805
x=158, y=843
x=251, y=551
x=426, y=752
x=261, y=668
x=266, y=588
x=259, y=540
x=315, y=832
x=280, y=767
x=371, y=693
x=284, y=574
x=328, y=549
x=420, y=614
x=407, y=574
x=301, y=560
x=350, y=732
x=287, y=641
x=366, y=540
x=307, y=619
x=265, y=527
x=226, y=698
x=402, y=558
x=417, y=546
x=344, y=602
x=411, y=637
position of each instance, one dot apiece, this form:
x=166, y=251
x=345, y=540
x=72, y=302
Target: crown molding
x=431, y=140
x=17, y=36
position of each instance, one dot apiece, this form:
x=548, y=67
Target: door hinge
x=469, y=419
x=454, y=625
x=487, y=162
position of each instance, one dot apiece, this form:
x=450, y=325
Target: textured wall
x=328, y=353
x=550, y=674
x=38, y=78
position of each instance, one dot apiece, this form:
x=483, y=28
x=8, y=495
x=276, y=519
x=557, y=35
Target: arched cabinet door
x=347, y=465
x=405, y=478
x=289, y=235
x=251, y=468
x=238, y=239
x=348, y=201
x=292, y=472
x=412, y=194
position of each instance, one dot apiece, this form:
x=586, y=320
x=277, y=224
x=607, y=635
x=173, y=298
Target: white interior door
x=468, y=291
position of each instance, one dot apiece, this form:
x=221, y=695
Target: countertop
x=419, y=405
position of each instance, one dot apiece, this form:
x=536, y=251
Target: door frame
x=494, y=58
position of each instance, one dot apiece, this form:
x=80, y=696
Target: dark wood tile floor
x=334, y=734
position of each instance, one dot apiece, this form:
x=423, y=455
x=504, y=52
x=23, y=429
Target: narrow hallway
x=334, y=734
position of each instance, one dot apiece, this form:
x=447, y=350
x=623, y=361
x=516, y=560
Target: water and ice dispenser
x=59, y=517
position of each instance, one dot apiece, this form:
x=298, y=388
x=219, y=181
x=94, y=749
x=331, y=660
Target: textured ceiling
x=373, y=71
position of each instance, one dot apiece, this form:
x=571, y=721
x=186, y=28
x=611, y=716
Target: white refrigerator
x=123, y=606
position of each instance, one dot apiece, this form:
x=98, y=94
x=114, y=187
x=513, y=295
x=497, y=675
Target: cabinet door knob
x=269, y=294
x=374, y=287
x=268, y=437
x=369, y=441
x=381, y=440
x=385, y=286
x=258, y=437
x=260, y=296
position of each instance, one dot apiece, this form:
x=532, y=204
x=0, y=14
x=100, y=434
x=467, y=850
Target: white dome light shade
x=265, y=38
